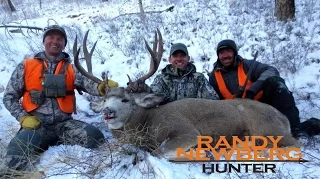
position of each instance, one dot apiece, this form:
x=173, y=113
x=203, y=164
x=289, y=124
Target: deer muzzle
x=109, y=114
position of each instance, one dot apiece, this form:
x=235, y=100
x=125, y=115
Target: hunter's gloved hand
x=102, y=86
x=249, y=95
x=30, y=122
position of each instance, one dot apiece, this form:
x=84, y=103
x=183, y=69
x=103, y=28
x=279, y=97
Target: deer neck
x=139, y=117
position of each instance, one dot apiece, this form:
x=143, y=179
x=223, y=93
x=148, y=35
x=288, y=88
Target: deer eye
x=124, y=100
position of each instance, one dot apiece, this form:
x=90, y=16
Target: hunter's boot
x=21, y=151
x=311, y=126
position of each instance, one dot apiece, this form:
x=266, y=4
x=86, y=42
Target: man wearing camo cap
x=179, y=79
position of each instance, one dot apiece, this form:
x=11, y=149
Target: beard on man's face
x=227, y=61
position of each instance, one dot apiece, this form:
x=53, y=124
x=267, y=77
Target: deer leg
x=288, y=141
x=168, y=148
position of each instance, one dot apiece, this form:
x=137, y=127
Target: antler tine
x=104, y=76
x=76, y=52
x=160, y=51
x=130, y=81
x=154, y=49
x=75, y=48
x=155, y=55
x=155, y=44
x=87, y=55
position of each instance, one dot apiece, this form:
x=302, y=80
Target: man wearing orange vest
x=46, y=84
x=265, y=84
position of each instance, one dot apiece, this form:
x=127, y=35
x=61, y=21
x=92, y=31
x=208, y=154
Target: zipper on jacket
x=51, y=71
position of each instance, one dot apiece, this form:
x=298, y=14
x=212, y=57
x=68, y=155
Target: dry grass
x=14, y=174
x=117, y=157
x=140, y=137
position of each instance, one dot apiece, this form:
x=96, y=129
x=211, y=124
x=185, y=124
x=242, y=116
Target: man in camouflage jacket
x=47, y=120
x=179, y=79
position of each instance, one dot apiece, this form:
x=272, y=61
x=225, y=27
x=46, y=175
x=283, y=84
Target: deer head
x=133, y=86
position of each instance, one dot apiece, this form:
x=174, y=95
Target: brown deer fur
x=177, y=124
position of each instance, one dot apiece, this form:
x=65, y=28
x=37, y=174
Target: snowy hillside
x=292, y=47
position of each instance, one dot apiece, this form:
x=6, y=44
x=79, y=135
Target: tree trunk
x=142, y=14
x=285, y=10
x=11, y=6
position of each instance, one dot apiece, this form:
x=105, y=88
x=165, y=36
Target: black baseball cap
x=227, y=43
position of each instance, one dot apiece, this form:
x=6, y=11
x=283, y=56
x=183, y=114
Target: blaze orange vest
x=241, y=80
x=33, y=77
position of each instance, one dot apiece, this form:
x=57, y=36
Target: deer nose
x=107, y=111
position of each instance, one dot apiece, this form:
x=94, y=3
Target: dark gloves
x=249, y=94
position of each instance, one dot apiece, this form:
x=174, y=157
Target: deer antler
x=87, y=57
x=156, y=56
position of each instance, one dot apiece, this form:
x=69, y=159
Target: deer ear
x=150, y=100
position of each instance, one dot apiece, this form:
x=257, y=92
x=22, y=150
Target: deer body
x=177, y=124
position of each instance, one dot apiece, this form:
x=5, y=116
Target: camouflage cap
x=56, y=28
x=179, y=47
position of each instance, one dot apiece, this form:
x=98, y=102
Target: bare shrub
x=5, y=48
x=311, y=103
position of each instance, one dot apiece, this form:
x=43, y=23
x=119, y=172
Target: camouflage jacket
x=178, y=85
x=49, y=111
